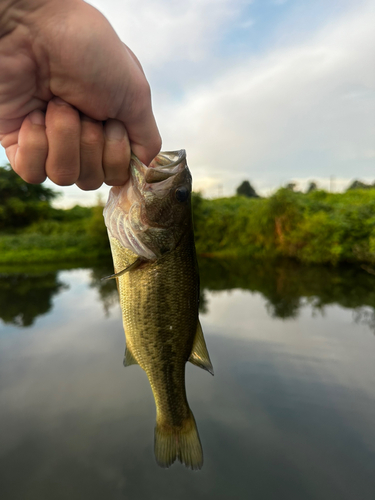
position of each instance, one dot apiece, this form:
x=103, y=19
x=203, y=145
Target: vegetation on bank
x=32, y=230
x=315, y=227
x=76, y=235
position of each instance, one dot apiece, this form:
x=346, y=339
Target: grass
x=34, y=247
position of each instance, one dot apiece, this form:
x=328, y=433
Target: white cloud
x=299, y=111
x=304, y=111
x=163, y=31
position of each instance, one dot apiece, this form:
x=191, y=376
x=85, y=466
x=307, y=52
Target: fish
x=150, y=229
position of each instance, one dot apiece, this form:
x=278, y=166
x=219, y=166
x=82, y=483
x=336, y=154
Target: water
x=289, y=414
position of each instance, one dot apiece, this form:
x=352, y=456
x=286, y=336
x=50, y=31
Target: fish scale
x=148, y=331
x=159, y=299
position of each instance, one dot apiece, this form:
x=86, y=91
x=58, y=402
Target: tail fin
x=180, y=443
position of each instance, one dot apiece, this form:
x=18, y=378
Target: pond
x=289, y=414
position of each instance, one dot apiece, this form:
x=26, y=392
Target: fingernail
x=114, y=130
x=37, y=117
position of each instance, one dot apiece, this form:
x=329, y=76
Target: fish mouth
x=123, y=211
x=158, y=178
x=166, y=165
x=168, y=159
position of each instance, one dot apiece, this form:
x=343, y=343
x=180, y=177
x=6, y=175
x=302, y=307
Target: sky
x=271, y=91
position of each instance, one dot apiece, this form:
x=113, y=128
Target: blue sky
x=270, y=91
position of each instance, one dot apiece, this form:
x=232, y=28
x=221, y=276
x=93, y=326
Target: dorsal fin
x=199, y=355
x=129, y=359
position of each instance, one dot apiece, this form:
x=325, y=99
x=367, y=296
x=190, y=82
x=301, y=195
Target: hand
x=74, y=101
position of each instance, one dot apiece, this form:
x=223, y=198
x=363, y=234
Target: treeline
x=315, y=227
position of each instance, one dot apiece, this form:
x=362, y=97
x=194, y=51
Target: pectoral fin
x=199, y=355
x=132, y=266
x=129, y=359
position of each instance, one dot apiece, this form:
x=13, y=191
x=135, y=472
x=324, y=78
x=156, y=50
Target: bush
x=317, y=227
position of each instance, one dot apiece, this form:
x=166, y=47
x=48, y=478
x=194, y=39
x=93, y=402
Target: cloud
x=302, y=110
x=164, y=31
x=306, y=110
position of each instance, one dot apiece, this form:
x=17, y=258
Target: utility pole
x=331, y=183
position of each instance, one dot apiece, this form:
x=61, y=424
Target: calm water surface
x=290, y=413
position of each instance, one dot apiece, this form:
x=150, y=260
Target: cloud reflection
x=281, y=413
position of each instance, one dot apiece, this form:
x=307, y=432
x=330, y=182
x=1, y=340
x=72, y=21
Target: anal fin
x=199, y=355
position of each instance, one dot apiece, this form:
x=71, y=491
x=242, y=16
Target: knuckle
x=89, y=184
x=116, y=174
x=63, y=177
x=65, y=123
x=33, y=177
x=115, y=156
x=92, y=141
x=92, y=138
x=61, y=181
x=36, y=145
x=116, y=181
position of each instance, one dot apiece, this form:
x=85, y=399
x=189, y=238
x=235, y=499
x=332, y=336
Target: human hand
x=74, y=101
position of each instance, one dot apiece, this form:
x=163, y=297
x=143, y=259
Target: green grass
x=33, y=247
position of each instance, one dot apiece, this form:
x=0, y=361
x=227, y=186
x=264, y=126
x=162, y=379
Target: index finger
x=138, y=118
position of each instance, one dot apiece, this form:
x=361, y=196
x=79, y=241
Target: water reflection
x=288, y=415
x=107, y=288
x=283, y=284
x=287, y=287
x=26, y=295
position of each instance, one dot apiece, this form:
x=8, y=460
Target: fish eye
x=182, y=194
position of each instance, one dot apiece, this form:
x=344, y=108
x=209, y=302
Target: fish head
x=152, y=211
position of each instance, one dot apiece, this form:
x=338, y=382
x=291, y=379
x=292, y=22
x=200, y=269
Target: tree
x=356, y=184
x=291, y=186
x=246, y=189
x=22, y=203
x=312, y=187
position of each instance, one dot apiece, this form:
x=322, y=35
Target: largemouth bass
x=150, y=230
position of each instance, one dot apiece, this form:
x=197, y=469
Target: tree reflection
x=287, y=285
x=107, y=289
x=25, y=296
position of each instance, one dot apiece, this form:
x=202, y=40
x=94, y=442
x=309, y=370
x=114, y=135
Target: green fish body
x=152, y=243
